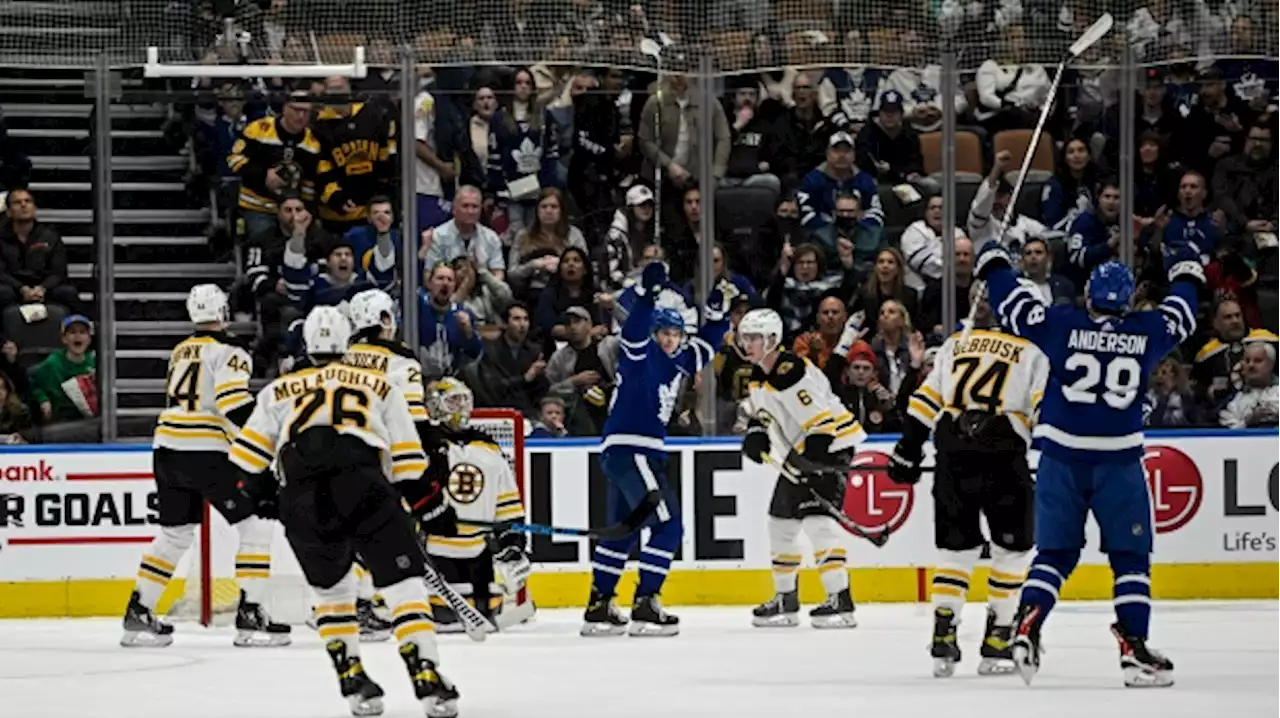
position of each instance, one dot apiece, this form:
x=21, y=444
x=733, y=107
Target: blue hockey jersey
x=818, y=192
x=648, y=382
x=1087, y=245
x=1098, y=366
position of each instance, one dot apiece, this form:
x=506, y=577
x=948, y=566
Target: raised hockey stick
x=1088, y=39
x=629, y=525
x=473, y=622
x=876, y=539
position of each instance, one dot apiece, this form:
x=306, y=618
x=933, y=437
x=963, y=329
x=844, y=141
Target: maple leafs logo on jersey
x=528, y=157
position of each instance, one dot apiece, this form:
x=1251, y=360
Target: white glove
x=852, y=333
x=511, y=567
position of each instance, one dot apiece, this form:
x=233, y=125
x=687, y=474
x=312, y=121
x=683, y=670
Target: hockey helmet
x=763, y=323
x=372, y=308
x=1110, y=288
x=326, y=332
x=207, y=303
x=449, y=402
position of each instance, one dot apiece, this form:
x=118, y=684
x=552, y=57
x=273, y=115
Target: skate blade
x=997, y=667
x=1142, y=678
x=365, y=706
x=258, y=639
x=143, y=639
x=643, y=629
x=840, y=620
x=786, y=620
x=374, y=636
x=440, y=708
x=944, y=667
x=602, y=630
x=1022, y=661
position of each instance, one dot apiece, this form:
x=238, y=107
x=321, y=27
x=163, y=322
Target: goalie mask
x=450, y=402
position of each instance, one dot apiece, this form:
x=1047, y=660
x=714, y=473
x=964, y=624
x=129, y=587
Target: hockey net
x=210, y=594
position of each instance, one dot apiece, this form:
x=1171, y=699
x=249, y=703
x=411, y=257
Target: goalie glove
x=511, y=567
x=904, y=463
x=756, y=444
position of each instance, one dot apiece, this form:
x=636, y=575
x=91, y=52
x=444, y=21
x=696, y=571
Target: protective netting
x=740, y=35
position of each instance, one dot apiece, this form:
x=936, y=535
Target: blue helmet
x=665, y=318
x=1110, y=288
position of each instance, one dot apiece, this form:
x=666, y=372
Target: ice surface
x=719, y=667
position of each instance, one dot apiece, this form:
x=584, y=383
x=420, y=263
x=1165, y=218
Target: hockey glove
x=1188, y=271
x=511, y=566
x=904, y=463
x=755, y=444
x=989, y=259
x=263, y=492
x=654, y=278
x=426, y=502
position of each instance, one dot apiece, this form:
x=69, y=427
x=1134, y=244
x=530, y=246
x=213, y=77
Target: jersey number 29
x=1119, y=378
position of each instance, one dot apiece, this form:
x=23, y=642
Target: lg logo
x=872, y=499
x=1176, y=486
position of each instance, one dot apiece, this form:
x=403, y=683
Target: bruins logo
x=466, y=483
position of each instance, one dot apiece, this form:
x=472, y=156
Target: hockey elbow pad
x=755, y=444
x=992, y=257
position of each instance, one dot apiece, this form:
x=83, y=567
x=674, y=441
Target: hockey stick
x=629, y=525
x=1088, y=39
x=473, y=622
x=877, y=539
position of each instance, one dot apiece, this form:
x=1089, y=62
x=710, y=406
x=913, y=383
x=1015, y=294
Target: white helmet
x=207, y=303
x=326, y=332
x=373, y=308
x=764, y=322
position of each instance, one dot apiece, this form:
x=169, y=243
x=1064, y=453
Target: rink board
x=75, y=519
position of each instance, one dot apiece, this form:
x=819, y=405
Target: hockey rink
x=719, y=667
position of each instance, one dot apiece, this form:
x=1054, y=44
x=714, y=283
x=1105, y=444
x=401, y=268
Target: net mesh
x=740, y=35
x=290, y=602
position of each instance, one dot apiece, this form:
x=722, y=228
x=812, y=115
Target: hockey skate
x=363, y=695
x=1026, y=642
x=254, y=628
x=944, y=648
x=438, y=696
x=649, y=618
x=997, y=651
x=1142, y=666
x=835, y=612
x=373, y=628
x=780, y=611
x=602, y=617
x=142, y=628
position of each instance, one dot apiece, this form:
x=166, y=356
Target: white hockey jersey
x=353, y=401
x=480, y=486
x=797, y=398
x=398, y=365
x=208, y=378
x=992, y=372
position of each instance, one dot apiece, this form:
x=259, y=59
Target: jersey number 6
x=1119, y=379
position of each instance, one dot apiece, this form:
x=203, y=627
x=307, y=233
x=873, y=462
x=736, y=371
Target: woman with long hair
x=891, y=344
x=1072, y=188
x=535, y=253
x=630, y=232
x=572, y=285
x=887, y=280
x=522, y=153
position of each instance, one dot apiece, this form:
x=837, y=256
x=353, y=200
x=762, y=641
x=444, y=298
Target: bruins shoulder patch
x=787, y=372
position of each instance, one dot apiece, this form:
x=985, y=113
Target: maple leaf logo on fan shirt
x=528, y=157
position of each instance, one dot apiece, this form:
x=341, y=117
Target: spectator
x=931, y=303
x=374, y=244
x=682, y=235
x=1010, y=90
x=803, y=134
x=776, y=86
x=484, y=295
x=1256, y=403
x=475, y=149
x=631, y=231
x=278, y=302
x=919, y=80
x=1169, y=397
x=337, y=282
x=885, y=282
x=550, y=421
x=584, y=369
x=572, y=286
x=673, y=145
x=890, y=343
x=1037, y=266
x=523, y=154
x=1215, y=126
x=1217, y=364
x=1156, y=116
x=847, y=94
x=717, y=317
x=274, y=154
x=15, y=417
x=535, y=253
x=63, y=385
x=219, y=125
x=1191, y=225
x=447, y=332
x=1071, y=189
x=795, y=290
x=33, y=259
x=921, y=363
x=855, y=382
x=991, y=210
x=837, y=176
x=817, y=345
x=601, y=150
x=15, y=167
x=749, y=162
x=733, y=372
x=432, y=172
x=1155, y=182
x=512, y=373
x=464, y=235
x=1230, y=277
x=922, y=246
x=1093, y=237
x=1245, y=187
x=890, y=150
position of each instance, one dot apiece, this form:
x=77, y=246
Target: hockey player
x=1090, y=437
x=978, y=401
x=792, y=404
x=343, y=442
x=478, y=482
x=208, y=399
x=655, y=358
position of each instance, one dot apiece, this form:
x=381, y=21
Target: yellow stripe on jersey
x=458, y=541
x=1021, y=418
x=919, y=408
x=406, y=446
x=816, y=419
x=191, y=433
x=255, y=440
x=929, y=392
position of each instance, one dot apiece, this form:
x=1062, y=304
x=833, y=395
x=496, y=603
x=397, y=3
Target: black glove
x=755, y=445
x=426, y=502
x=263, y=492
x=440, y=521
x=904, y=463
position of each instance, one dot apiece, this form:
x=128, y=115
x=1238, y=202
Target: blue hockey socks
x=656, y=556
x=1132, y=596
x=1049, y=571
x=608, y=562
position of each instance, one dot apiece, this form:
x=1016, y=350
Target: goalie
x=479, y=483
x=792, y=404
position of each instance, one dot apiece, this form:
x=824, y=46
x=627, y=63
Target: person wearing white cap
x=631, y=230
